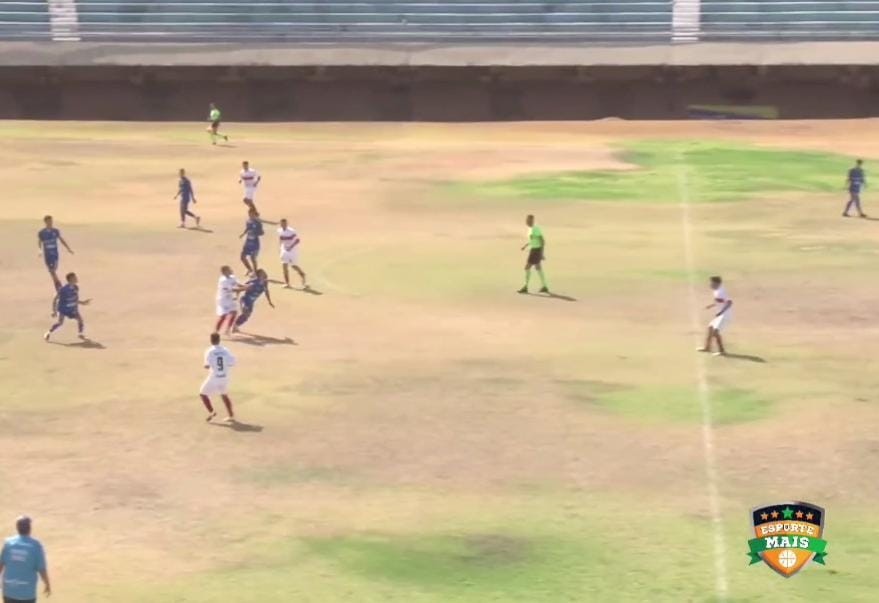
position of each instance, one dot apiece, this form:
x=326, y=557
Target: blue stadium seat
x=24, y=20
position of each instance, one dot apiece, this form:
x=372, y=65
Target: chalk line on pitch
x=720, y=579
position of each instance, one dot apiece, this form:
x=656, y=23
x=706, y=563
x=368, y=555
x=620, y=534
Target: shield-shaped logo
x=788, y=536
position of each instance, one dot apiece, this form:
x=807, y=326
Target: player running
x=218, y=360
x=290, y=253
x=47, y=243
x=721, y=318
x=252, y=290
x=66, y=305
x=227, y=302
x=187, y=195
x=253, y=231
x=855, y=181
x=214, y=117
x=537, y=244
x=250, y=178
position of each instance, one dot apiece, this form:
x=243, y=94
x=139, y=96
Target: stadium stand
x=28, y=20
x=410, y=20
x=789, y=19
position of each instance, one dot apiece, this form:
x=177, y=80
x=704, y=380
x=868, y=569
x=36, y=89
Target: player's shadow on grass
x=746, y=357
x=555, y=296
x=263, y=340
x=200, y=229
x=89, y=344
x=239, y=426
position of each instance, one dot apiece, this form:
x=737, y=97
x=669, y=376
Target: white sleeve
x=230, y=358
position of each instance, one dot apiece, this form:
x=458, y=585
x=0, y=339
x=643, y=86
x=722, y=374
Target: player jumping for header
x=187, y=195
x=47, y=243
x=855, y=181
x=290, y=253
x=66, y=305
x=253, y=231
x=218, y=360
x=536, y=245
x=250, y=178
x=214, y=117
x=252, y=290
x=227, y=304
x=721, y=318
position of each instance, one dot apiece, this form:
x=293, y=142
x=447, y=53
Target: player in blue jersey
x=47, y=242
x=66, y=305
x=251, y=291
x=855, y=181
x=253, y=231
x=187, y=196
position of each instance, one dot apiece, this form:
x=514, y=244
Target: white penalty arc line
x=321, y=271
x=720, y=579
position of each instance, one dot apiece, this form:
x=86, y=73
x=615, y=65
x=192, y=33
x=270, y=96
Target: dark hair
x=69, y=276
x=530, y=216
x=215, y=338
x=23, y=525
x=716, y=279
x=860, y=161
x=47, y=217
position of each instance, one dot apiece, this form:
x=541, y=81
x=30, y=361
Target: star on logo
x=774, y=514
x=764, y=516
x=809, y=516
x=799, y=514
x=787, y=512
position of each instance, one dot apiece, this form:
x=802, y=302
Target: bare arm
x=269, y=297
x=55, y=305
x=66, y=246
x=47, y=590
x=39, y=243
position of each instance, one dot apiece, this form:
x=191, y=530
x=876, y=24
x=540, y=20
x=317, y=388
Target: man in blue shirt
x=253, y=230
x=855, y=182
x=255, y=287
x=187, y=196
x=47, y=243
x=66, y=305
x=21, y=561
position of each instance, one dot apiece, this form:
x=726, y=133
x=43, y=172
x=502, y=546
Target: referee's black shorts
x=535, y=256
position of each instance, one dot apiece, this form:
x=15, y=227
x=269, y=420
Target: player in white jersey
x=290, y=252
x=227, y=299
x=218, y=360
x=250, y=178
x=721, y=318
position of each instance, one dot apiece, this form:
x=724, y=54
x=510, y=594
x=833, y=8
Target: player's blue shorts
x=69, y=312
x=247, y=306
x=51, y=259
x=251, y=248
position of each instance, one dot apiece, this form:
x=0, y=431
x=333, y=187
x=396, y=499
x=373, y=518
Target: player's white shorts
x=250, y=192
x=290, y=256
x=215, y=386
x=224, y=308
x=720, y=322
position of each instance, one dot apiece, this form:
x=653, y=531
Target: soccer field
x=414, y=430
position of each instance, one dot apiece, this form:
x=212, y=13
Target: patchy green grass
x=714, y=171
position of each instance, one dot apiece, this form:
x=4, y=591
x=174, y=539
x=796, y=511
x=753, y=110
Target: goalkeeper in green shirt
x=214, y=118
x=535, y=245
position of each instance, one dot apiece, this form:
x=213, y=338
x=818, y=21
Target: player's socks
x=220, y=323
x=207, y=403
x=47, y=335
x=542, y=277
x=228, y=404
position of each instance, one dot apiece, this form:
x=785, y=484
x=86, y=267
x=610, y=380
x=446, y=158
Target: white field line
x=720, y=580
x=321, y=271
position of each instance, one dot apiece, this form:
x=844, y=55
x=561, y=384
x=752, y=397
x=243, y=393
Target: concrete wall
x=430, y=93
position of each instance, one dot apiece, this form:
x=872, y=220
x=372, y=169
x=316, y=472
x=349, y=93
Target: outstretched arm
x=55, y=306
x=66, y=246
x=269, y=297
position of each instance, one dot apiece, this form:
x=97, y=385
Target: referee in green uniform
x=215, y=117
x=536, y=245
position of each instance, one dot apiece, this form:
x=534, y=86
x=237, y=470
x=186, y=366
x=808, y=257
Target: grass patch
x=678, y=404
x=715, y=171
